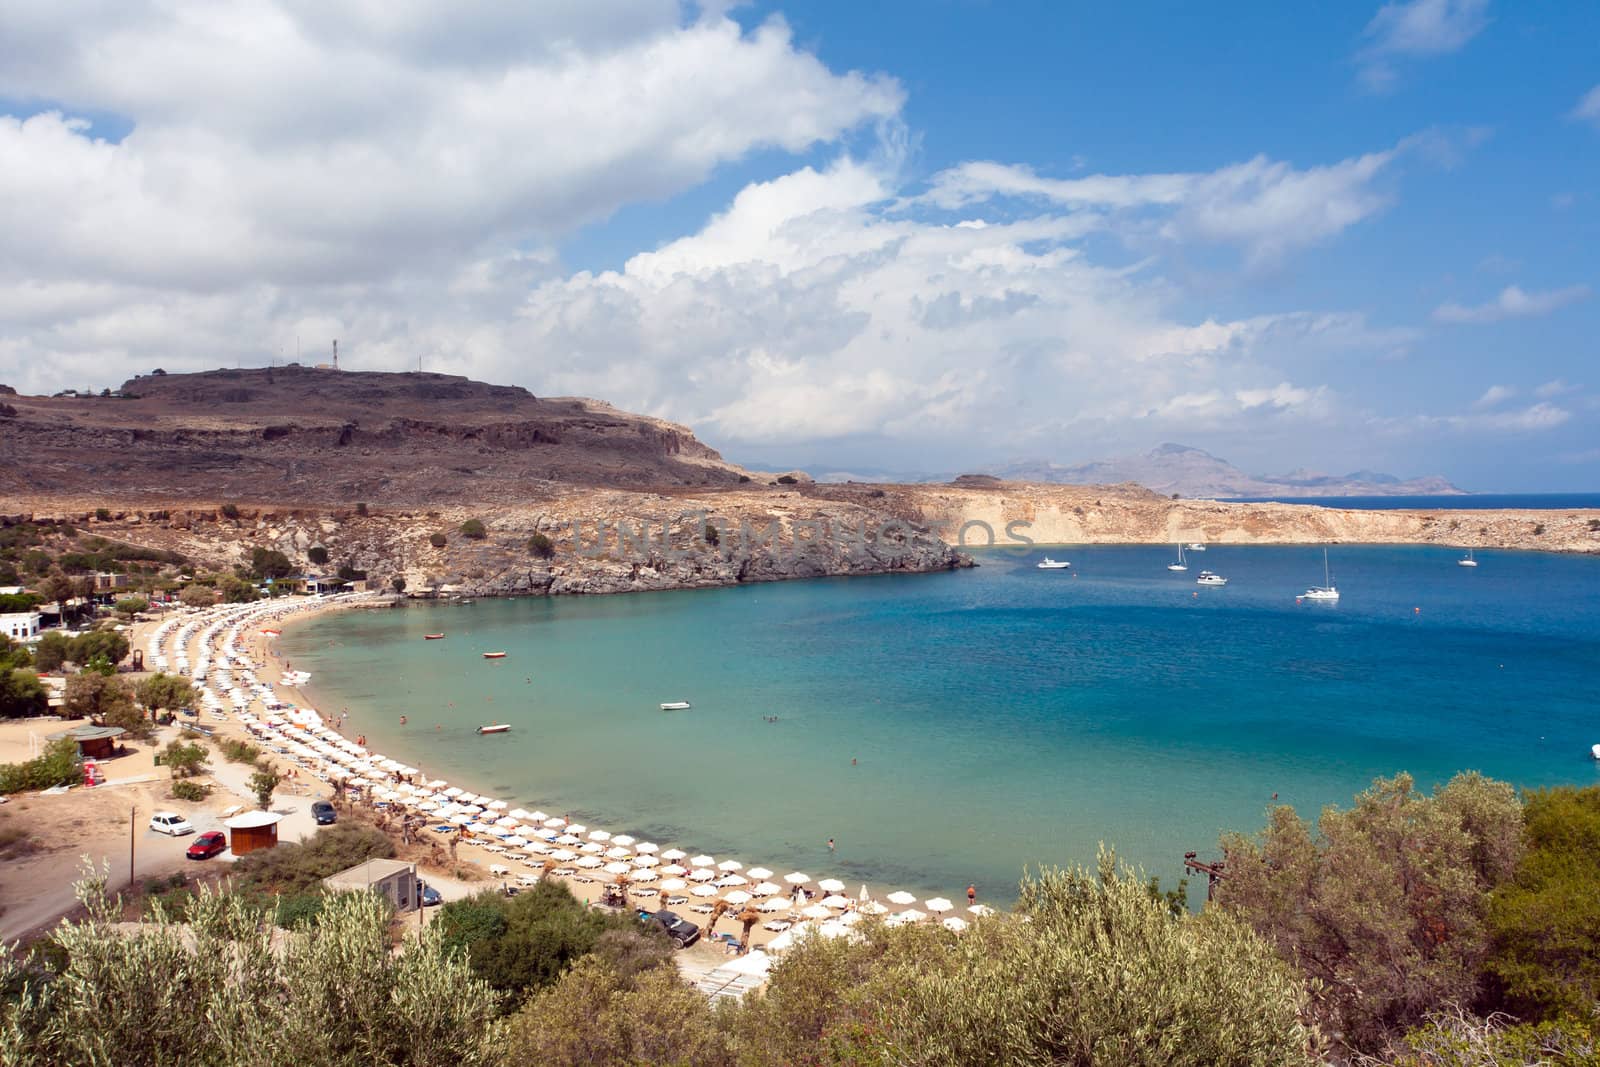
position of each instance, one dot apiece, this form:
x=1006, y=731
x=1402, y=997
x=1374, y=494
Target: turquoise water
x=998, y=717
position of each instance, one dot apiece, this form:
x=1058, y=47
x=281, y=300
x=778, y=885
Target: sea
x=1474, y=501
x=957, y=728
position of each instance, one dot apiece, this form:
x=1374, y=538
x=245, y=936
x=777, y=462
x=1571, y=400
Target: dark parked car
x=428, y=895
x=208, y=844
x=681, y=930
x=323, y=812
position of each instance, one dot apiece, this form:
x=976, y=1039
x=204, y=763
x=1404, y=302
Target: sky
x=897, y=236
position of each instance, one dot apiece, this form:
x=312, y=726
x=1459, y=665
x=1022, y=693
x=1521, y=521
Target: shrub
x=197, y=596
x=437, y=540
x=361, y=509
x=398, y=584
x=166, y=692
x=183, y=789
x=235, y=751
x=474, y=529
x=298, y=909
x=297, y=867
x=713, y=535
x=132, y=605
x=102, y=514
x=183, y=759
x=230, y=511
x=788, y=479
x=348, y=573
x=317, y=554
x=21, y=693
x=262, y=783
x=1538, y=529
x=541, y=547
x=270, y=563
x=56, y=765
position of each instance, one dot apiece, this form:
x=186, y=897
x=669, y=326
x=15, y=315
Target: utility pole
x=133, y=816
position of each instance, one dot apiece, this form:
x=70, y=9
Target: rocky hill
x=1193, y=472
x=302, y=435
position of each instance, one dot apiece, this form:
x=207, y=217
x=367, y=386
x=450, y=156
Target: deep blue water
x=1541, y=501
x=998, y=717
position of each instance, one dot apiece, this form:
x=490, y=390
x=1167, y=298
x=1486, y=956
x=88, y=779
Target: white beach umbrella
x=600, y=835
x=800, y=878
x=647, y=846
x=505, y=820
x=645, y=861
x=674, y=868
x=547, y=835
x=522, y=815
x=536, y=816
x=703, y=861
x=616, y=852
x=564, y=855
x=569, y=839
x=616, y=867
x=774, y=904
x=493, y=805
x=765, y=889
x=981, y=910
x=704, y=890
x=577, y=828
x=900, y=896
x=937, y=905
x=911, y=915
x=702, y=874
x=850, y=918
x=816, y=911
x=590, y=862
x=732, y=879
x=461, y=820
x=760, y=874
x=674, y=854
x=593, y=848
x=623, y=839
x=836, y=901
x=515, y=841
x=453, y=792
x=556, y=823
x=646, y=875
x=730, y=865
x=537, y=847
x=672, y=885
x=871, y=907
x=831, y=885
x=738, y=896
x=956, y=923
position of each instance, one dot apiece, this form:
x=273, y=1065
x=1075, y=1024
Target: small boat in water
x=497, y=728
x=1210, y=578
x=1180, y=565
x=432, y=637
x=676, y=705
x=1326, y=591
x=494, y=655
x=1196, y=546
x=1048, y=564
x=1467, y=560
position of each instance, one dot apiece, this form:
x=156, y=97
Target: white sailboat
x=1180, y=565
x=1467, y=560
x=1327, y=590
x=1049, y=564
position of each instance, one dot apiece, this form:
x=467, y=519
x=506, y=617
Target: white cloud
x=1417, y=28
x=1553, y=388
x=1512, y=303
x=282, y=141
x=1267, y=207
x=1532, y=419
x=1588, y=109
x=1494, y=396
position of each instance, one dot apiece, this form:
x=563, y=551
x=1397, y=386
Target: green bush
x=230, y=511
x=474, y=529
x=183, y=789
x=788, y=479
x=298, y=909
x=361, y=509
x=437, y=540
x=270, y=563
x=132, y=605
x=102, y=514
x=297, y=867
x=317, y=554
x=56, y=765
x=541, y=547
x=21, y=692
x=235, y=751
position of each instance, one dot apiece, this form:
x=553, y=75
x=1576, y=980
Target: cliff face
x=330, y=437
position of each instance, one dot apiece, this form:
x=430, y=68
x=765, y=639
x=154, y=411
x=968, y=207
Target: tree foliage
x=1545, y=924
x=317, y=554
x=132, y=605
x=21, y=694
x=296, y=867
x=56, y=765
x=1383, y=907
x=541, y=547
x=166, y=692
x=197, y=596
x=105, y=699
x=270, y=563
x=474, y=529
x=262, y=783
x=523, y=943
x=218, y=991
x=183, y=759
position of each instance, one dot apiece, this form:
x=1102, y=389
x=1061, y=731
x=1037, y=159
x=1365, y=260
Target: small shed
x=94, y=742
x=394, y=880
x=250, y=830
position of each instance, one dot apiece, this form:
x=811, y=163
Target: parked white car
x=170, y=822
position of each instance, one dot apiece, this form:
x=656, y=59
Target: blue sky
x=891, y=236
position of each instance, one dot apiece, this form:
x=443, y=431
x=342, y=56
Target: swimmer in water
x=402, y=720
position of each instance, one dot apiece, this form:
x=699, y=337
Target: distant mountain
x=1193, y=472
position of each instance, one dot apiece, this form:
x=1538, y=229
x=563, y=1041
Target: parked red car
x=208, y=844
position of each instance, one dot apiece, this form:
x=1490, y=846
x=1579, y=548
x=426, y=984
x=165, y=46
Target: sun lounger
x=703, y=909
x=673, y=902
x=566, y=872
x=497, y=869
x=776, y=926
x=644, y=892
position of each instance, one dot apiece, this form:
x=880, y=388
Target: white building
x=20, y=625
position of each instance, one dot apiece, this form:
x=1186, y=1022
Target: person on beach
x=972, y=894
x=402, y=720
x=830, y=845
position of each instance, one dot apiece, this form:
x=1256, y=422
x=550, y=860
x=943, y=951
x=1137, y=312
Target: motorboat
x=1210, y=578
x=497, y=728
x=1196, y=546
x=1180, y=565
x=676, y=705
x=1467, y=560
x=1327, y=591
x=494, y=655
x=1048, y=564
x=433, y=637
